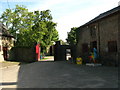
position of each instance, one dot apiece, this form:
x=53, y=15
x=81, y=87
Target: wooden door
x=5, y=53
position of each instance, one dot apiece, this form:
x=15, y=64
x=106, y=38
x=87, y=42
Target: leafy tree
x=47, y=29
x=51, y=35
x=30, y=27
x=71, y=39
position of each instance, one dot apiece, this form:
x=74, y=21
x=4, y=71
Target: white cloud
x=78, y=18
x=67, y=20
x=82, y=11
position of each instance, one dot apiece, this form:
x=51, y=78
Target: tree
x=71, y=39
x=47, y=29
x=30, y=27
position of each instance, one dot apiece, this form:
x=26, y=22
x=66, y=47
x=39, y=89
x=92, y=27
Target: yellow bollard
x=79, y=60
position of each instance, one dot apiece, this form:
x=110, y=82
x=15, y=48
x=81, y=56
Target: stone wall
x=106, y=30
x=25, y=54
x=84, y=37
x=118, y=37
x=7, y=42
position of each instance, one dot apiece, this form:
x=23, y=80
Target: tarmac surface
x=59, y=74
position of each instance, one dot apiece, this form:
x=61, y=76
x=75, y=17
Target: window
x=93, y=31
x=112, y=46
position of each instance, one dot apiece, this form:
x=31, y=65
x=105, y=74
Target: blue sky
x=66, y=13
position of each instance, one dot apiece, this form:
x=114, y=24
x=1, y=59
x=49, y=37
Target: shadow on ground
x=61, y=74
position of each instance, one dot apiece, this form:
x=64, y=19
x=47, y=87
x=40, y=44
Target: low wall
x=24, y=54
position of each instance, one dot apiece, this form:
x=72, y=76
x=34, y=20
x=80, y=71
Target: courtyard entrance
x=64, y=52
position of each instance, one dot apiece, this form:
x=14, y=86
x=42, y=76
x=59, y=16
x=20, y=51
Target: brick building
x=102, y=33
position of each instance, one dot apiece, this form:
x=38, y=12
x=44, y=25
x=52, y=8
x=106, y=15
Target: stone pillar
x=57, y=51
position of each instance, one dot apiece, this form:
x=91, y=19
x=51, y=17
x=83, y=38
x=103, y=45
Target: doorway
x=93, y=45
x=68, y=54
x=5, y=53
x=61, y=52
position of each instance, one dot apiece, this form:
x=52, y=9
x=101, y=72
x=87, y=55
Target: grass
x=44, y=58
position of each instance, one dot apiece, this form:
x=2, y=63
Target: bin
x=79, y=60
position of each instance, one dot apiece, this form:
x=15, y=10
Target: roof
x=4, y=31
x=103, y=15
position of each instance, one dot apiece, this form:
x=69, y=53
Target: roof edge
x=102, y=15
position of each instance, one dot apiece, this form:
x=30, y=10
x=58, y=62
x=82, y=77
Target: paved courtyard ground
x=59, y=74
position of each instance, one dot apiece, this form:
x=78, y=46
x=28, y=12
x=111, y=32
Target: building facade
x=6, y=42
x=101, y=33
